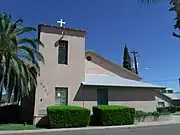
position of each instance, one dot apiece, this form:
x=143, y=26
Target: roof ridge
x=57, y=27
x=90, y=51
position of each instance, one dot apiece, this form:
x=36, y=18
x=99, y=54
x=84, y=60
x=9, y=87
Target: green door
x=102, y=96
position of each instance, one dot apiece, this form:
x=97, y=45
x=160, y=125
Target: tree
x=175, y=7
x=126, y=59
x=15, y=76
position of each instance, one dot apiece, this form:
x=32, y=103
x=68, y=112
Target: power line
x=170, y=80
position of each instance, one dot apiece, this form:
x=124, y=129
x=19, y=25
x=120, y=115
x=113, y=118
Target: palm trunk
x=9, y=93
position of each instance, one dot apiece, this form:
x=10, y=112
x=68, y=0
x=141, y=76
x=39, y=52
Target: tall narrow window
x=61, y=96
x=63, y=52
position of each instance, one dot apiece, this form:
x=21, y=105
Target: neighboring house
x=162, y=100
x=72, y=76
x=175, y=97
x=167, y=90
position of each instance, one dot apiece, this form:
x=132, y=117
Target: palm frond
x=15, y=75
x=23, y=30
x=35, y=43
x=150, y=1
x=32, y=53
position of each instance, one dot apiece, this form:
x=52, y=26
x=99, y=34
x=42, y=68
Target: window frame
x=106, y=92
x=65, y=43
x=55, y=95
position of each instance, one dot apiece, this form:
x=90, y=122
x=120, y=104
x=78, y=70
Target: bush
x=178, y=108
x=67, y=116
x=113, y=115
x=171, y=109
x=164, y=113
x=162, y=109
x=141, y=114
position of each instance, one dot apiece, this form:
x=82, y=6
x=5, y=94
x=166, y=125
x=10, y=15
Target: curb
x=139, y=125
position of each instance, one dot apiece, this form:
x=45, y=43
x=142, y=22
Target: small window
x=89, y=58
x=63, y=52
x=61, y=96
x=161, y=104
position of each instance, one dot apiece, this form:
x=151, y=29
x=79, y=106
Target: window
x=161, y=104
x=61, y=96
x=63, y=52
x=102, y=97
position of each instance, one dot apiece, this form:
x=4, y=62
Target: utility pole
x=135, y=61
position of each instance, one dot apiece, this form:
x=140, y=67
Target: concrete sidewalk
x=175, y=120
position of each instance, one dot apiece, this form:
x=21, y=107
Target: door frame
x=107, y=94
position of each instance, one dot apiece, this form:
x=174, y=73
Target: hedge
x=171, y=109
x=108, y=115
x=67, y=116
x=142, y=114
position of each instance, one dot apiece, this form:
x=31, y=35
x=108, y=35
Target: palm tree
x=175, y=7
x=15, y=76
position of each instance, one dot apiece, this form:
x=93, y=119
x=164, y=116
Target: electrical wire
x=170, y=80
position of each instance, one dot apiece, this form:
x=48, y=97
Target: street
x=156, y=130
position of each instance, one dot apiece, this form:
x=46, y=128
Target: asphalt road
x=156, y=130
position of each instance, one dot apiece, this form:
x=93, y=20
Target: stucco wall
x=99, y=65
x=92, y=68
x=53, y=74
x=139, y=98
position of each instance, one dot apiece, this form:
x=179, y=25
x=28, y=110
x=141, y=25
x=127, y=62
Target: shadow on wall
x=27, y=108
x=89, y=93
x=43, y=123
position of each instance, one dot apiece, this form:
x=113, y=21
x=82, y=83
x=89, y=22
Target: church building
x=73, y=76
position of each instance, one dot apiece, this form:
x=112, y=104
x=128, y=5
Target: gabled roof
x=173, y=96
x=116, y=81
x=84, y=32
x=61, y=28
x=114, y=64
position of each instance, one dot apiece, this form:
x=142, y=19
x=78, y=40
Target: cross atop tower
x=60, y=22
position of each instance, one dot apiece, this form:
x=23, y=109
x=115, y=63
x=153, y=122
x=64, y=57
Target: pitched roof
x=84, y=32
x=173, y=96
x=117, y=81
x=112, y=63
x=61, y=28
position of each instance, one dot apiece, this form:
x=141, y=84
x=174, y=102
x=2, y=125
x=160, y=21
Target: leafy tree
x=126, y=59
x=15, y=76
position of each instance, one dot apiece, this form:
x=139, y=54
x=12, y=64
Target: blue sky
x=111, y=24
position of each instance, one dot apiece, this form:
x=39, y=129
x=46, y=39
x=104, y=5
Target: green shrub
x=67, y=116
x=141, y=114
x=164, y=113
x=162, y=109
x=171, y=109
x=155, y=114
x=113, y=115
x=178, y=108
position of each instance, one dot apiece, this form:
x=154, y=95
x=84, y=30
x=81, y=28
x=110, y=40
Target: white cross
x=60, y=22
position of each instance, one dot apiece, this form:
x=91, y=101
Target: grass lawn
x=176, y=113
x=4, y=127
